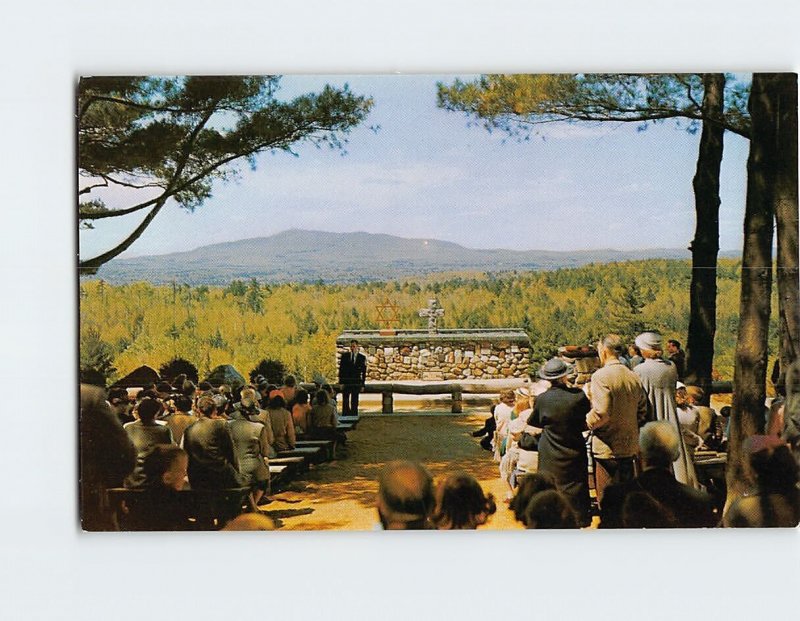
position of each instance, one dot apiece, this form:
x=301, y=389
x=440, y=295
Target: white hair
x=659, y=443
x=248, y=397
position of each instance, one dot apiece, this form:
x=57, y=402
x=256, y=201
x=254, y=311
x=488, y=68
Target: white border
x=51, y=570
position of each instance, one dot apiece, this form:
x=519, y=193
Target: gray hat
x=555, y=368
x=649, y=340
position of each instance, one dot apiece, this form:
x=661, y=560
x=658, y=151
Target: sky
x=426, y=173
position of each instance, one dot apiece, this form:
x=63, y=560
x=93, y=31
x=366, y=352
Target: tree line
x=124, y=326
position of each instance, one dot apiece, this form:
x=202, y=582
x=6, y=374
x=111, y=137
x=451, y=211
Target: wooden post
x=388, y=402
x=458, y=405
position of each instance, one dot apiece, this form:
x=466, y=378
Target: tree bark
x=705, y=246
x=786, y=220
x=750, y=370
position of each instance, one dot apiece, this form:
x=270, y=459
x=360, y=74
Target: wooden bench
x=345, y=427
x=349, y=420
x=329, y=446
x=187, y=509
x=313, y=454
x=294, y=465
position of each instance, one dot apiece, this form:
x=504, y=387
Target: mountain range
x=300, y=255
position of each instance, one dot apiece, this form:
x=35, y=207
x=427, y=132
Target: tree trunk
x=705, y=246
x=787, y=221
x=750, y=371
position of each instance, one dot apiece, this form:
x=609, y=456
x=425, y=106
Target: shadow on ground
x=341, y=494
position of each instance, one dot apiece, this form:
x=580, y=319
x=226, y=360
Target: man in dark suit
x=675, y=504
x=352, y=376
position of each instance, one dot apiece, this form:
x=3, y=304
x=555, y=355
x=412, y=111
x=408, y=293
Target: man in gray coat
x=619, y=408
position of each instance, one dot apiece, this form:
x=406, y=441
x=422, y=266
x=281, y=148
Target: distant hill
x=299, y=255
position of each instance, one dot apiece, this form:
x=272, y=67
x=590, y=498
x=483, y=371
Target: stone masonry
x=446, y=355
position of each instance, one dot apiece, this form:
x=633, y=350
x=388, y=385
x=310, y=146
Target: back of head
x=614, y=345
x=550, y=509
x=405, y=496
x=276, y=400
x=250, y=521
x=322, y=397
x=530, y=485
x=206, y=405
x=117, y=396
x=461, y=503
x=659, y=444
x=507, y=395
x=775, y=468
x=183, y=403
x=248, y=398
x=160, y=460
x=649, y=344
x=290, y=381
x=148, y=409
x=149, y=393
x=188, y=388
x=696, y=394
x=301, y=397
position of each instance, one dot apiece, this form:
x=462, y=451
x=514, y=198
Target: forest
x=125, y=326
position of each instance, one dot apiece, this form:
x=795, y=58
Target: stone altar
x=447, y=354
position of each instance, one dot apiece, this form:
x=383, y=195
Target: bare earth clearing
x=340, y=495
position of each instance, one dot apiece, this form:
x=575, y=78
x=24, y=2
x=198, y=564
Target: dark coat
x=353, y=372
x=561, y=412
x=212, y=460
x=692, y=508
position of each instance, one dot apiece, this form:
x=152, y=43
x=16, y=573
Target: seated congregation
x=175, y=456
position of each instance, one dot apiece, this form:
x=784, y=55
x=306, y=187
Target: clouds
x=426, y=174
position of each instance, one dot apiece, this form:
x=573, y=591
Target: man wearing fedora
x=561, y=412
x=619, y=408
x=659, y=378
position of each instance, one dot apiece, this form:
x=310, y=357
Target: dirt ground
x=340, y=495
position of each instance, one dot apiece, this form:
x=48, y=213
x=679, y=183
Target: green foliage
x=161, y=138
x=178, y=366
x=299, y=322
x=626, y=314
x=96, y=354
x=255, y=297
x=237, y=289
x=273, y=371
x=517, y=103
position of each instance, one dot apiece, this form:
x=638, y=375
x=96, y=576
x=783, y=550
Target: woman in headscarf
x=660, y=379
x=561, y=413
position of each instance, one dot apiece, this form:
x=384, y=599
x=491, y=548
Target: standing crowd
x=632, y=431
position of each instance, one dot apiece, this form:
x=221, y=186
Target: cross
x=433, y=312
x=387, y=315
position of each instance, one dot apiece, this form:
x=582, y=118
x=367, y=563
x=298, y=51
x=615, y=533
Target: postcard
x=494, y=302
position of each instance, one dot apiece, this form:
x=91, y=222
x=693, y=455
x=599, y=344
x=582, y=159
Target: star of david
x=387, y=314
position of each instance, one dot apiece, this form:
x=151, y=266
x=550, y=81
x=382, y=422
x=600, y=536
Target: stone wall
x=445, y=355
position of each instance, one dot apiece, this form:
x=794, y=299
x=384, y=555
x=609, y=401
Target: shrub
x=175, y=367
